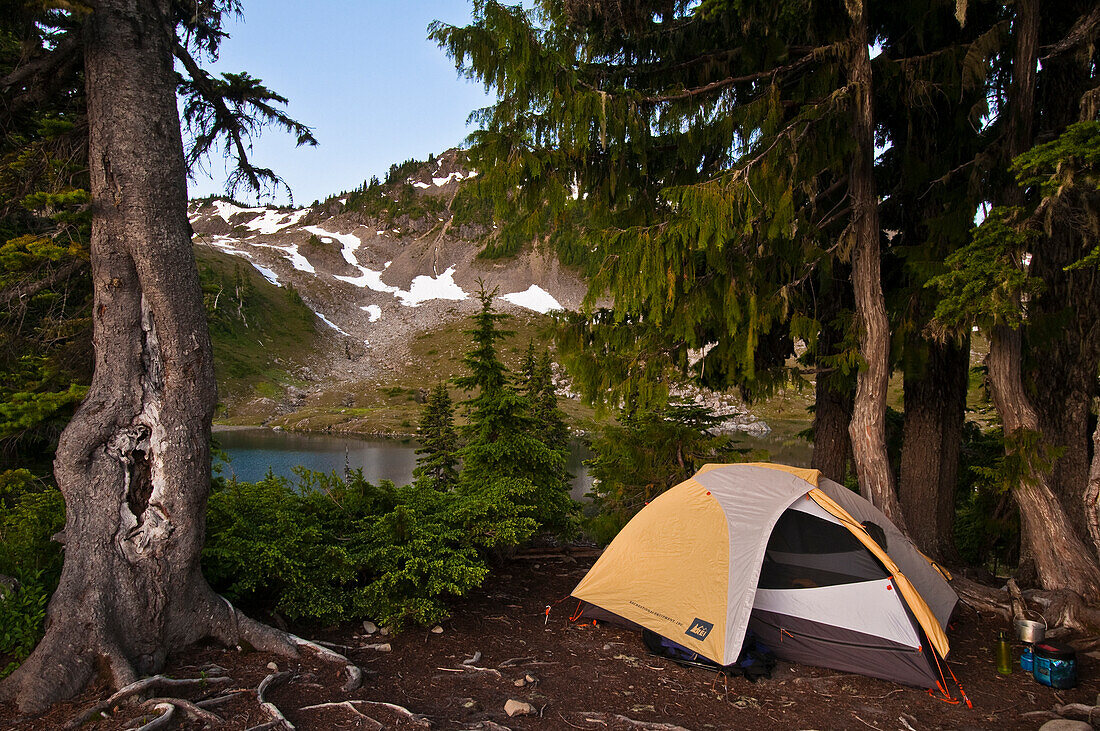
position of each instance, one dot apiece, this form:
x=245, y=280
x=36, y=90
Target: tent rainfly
x=819, y=574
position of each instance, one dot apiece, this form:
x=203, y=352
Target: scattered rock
x=1064, y=724
x=607, y=647
x=469, y=704
x=520, y=683
x=518, y=708
x=273, y=667
x=385, y=631
x=530, y=678
x=379, y=646
x=369, y=627
x=437, y=630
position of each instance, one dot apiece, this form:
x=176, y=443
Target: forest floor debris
x=596, y=677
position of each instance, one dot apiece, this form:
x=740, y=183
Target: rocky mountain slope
x=379, y=267
x=391, y=281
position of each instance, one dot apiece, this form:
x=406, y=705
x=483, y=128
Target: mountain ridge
x=379, y=267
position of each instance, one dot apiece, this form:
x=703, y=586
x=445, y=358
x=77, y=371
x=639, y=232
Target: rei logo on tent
x=699, y=629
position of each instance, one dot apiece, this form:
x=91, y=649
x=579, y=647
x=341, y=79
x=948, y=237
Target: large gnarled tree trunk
x=868, y=427
x=134, y=463
x=1061, y=558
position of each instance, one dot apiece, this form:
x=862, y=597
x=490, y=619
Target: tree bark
x=1091, y=495
x=935, y=403
x=134, y=464
x=833, y=395
x=868, y=426
x=1061, y=558
x=832, y=415
x=1062, y=561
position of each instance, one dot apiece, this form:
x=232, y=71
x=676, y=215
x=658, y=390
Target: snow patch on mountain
x=533, y=298
x=269, y=274
x=298, y=261
x=374, y=312
x=426, y=288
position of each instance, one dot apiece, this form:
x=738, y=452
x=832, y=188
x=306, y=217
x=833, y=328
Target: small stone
x=385, y=631
x=520, y=683
x=470, y=704
x=437, y=630
x=518, y=708
x=273, y=667
x=607, y=647
x=1064, y=724
x=369, y=627
x=379, y=647
x=530, y=678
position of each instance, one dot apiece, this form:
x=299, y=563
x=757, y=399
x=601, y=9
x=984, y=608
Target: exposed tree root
x=192, y=710
x=145, y=685
x=981, y=598
x=602, y=717
x=244, y=630
x=277, y=717
x=1076, y=711
x=1067, y=609
x=416, y=718
x=349, y=705
x=1062, y=610
x=168, y=711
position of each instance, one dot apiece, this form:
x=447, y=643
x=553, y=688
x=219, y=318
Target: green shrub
x=31, y=511
x=327, y=550
x=269, y=545
x=22, y=615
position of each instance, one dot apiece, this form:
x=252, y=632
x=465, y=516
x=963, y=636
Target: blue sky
x=362, y=74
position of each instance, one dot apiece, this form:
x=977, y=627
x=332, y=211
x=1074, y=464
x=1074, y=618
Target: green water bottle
x=1004, y=655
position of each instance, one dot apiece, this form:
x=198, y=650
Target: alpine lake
x=253, y=452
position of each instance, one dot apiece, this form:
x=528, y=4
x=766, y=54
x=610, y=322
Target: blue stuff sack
x=1055, y=665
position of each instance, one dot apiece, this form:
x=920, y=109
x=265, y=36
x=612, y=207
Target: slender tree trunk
x=1061, y=558
x=833, y=395
x=832, y=415
x=935, y=402
x=868, y=427
x=134, y=463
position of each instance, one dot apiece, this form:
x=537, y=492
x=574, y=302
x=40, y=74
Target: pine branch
x=233, y=108
x=714, y=86
x=36, y=80
x=1083, y=31
x=30, y=288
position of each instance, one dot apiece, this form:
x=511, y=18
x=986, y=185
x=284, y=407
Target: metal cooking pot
x=1028, y=630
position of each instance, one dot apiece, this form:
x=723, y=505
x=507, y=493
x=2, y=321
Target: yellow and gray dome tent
x=819, y=574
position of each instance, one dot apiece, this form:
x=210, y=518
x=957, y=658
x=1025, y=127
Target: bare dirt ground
x=576, y=676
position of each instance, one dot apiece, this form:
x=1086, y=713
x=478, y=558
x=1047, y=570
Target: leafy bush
x=327, y=550
x=22, y=615
x=30, y=513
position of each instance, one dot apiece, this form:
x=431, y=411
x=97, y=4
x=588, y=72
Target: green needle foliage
x=509, y=469
x=650, y=449
x=691, y=156
x=437, y=464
